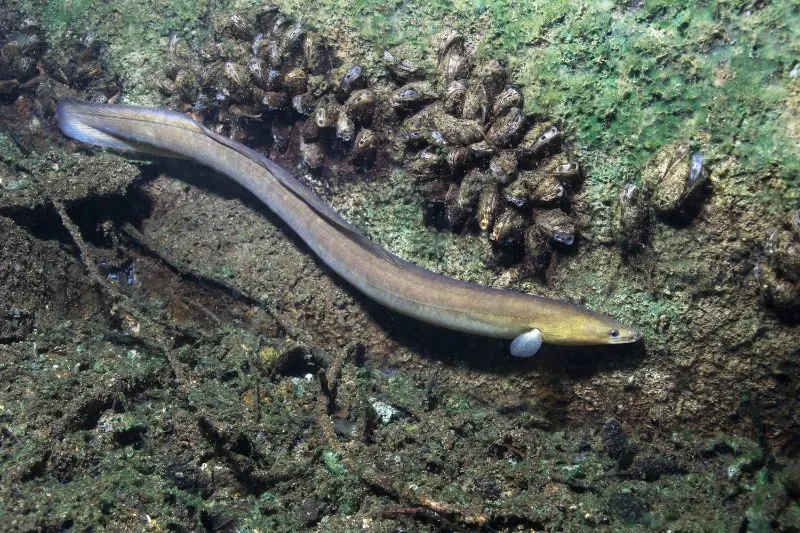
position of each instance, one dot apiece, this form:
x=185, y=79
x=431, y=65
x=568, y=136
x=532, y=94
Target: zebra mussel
x=464, y=134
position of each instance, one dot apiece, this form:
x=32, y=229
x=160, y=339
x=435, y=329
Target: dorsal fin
x=307, y=195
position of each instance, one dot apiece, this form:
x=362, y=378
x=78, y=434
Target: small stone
x=311, y=511
x=615, y=440
x=627, y=507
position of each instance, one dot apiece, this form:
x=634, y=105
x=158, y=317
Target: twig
x=120, y=300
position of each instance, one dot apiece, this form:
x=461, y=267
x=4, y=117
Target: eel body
x=382, y=276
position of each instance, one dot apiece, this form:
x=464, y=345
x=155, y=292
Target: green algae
x=624, y=80
x=332, y=463
x=61, y=15
x=9, y=150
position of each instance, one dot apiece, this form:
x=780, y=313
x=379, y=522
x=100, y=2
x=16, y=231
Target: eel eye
x=614, y=333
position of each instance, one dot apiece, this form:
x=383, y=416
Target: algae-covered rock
x=30, y=182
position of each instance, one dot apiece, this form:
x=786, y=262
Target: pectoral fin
x=527, y=344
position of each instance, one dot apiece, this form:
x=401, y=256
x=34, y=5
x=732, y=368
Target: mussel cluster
x=778, y=272
x=483, y=159
x=482, y=162
x=26, y=60
x=78, y=63
x=671, y=184
x=268, y=79
x=21, y=47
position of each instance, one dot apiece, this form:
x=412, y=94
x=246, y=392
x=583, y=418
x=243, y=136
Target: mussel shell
x=455, y=214
x=458, y=158
x=631, y=218
x=411, y=137
x=345, y=127
x=25, y=68
x=355, y=78
x=304, y=103
x=236, y=73
x=233, y=26
x=545, y=190
x=354, y=75
x=674, y=177
x=309, y=131
x=402, y=70
x=454, y=95
x=275, y=100
x=435, y=138
x=365, y=145
x=293, y=38
x=481, y=150
x=180, y=54
x=412, y=96
x=447, y=40
x=783, y=251
x=228, y=81
x=265, y=17
x=269, y=79
x=562, y=169
x=537, y=252
x=263, y=76
x=470, y=188
x=455, y=131
x=426, y=163
x=660, y=163
x=312, y=154
x=296, y=81
x=532, y=187
x=166, y=86
x=22, y=44
x=516, y=192
x=508, y=129
x=325, y=115
x=492, y=75
x=540, y=139
x=476, y=103
x=272, y=54
x=488, y=207
x=508, y=98
x=508, y=226
x=360, y=105
x=556, y=226
x=454, y=66
x=259, y=41
x=279, y=25
x=317, y=56
x=780, y=293
x=794, y=222
x=503, y=166
x=318, y=85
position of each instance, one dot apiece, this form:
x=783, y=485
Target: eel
x=406, y=288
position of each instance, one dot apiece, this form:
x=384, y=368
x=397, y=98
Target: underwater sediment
x=173, y=353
